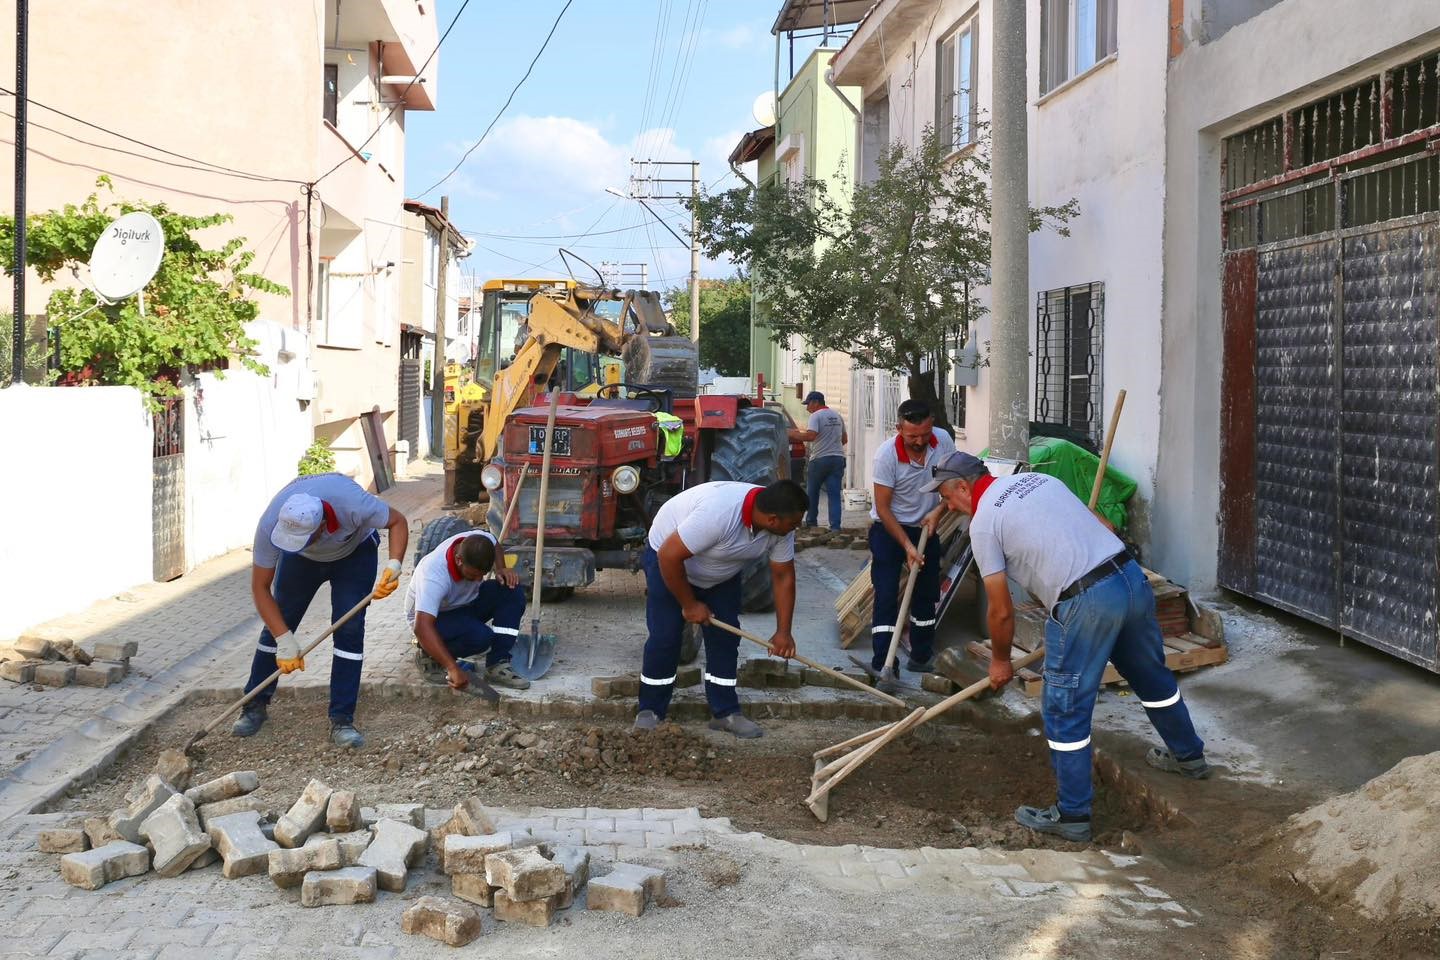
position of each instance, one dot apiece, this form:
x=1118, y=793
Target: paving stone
x=411, y=813
x=615, y=688
x=785, y=679
x=93, y=869
x=465, y=854
x=174, y=768
x=524, y=874
x=238, y=838
x=937, y=683
x=34, y=648
x=305, y=817
x=209, y=857
x=174, y=833
x=397, y=847
x=99, y=831
x=289, y=867
x=352, y=844
x=20, y=671
x=688, y=676
x=626, y=889
x=145, y=799
x=818, y=678
x=342, y=815
x=223, y=808
x=472, y=887
x=100, y=674
x=228, y=787
x=532, y=913
x=575, y=861
x=342, y=887
x=116, y=650
x=54, y=674
x=63, y=840
x=449, y=922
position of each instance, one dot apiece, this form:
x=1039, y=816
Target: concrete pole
x=1009, y=239
x=437, y=363
x=22, y=104
x=694, y=255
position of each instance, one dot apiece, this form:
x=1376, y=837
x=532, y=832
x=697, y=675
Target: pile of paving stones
x=808, y=537
x=61, y=662
x=339, y=853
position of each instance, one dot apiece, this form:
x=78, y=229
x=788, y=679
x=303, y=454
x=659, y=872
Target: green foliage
x=724, y=323
x=37, y=357
x=196, y=307
x=887, y=277
x=318, y=458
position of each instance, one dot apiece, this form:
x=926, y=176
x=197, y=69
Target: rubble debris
x=343, y=887
x=452, y=923
x=93, y=869
x=289, y=867
x=228, y=787
x=238, y=838
x=305, y=817
x=342, y=815
x=626, y=889
x=396, y=848
x=173, y=831
x=524, y=875
x=63, y=840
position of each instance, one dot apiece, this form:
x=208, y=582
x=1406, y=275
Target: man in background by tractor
x=825, y=433
x=457, y=613
x=700, y=543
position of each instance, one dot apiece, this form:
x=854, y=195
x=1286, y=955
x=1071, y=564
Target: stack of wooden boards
x=855, y=607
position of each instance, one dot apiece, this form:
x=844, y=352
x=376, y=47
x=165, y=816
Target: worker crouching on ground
x=457, y=613
x=320, y=529
x=700, y=543
x=1029, y=526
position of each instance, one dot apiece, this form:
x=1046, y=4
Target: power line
x=516, y=89
x=521, y=237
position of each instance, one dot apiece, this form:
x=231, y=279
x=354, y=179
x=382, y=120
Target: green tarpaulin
x=1076, y=467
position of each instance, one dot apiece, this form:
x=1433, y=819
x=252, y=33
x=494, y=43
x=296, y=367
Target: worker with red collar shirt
x=457, y=613
x=319, y=529
x=700, y=543
x=1031, y=528
x=902, y=473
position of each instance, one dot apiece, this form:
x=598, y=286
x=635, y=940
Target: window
x=1068, y=358
x=955, y=102
x=322, y=300
x=1074, y=36
x=332, y=93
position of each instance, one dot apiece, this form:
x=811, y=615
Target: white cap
x=300, y=517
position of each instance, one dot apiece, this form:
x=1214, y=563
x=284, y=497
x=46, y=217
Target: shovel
x=534, y=651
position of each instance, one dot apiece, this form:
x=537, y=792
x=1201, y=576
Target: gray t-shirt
x=356, y=513
x=1032, y=527
x=829, y=429
x=907, y=478
x=710, y=518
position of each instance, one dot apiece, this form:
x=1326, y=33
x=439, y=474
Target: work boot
x=430, y=671
x=345, y=735
x=645, y=720
x=887, y=682
x=738, y=724
x=249, y=722
x=920, y=666
x=1162, y=759
x=1048, y=820
x=503, y=675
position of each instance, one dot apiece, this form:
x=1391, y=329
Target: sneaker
x=345, y=735
x=249, y=723
x=645, y=720
x=503, y=675
x=920, y=666
x=1162, y=759
x=738, y=724
x=430, y=671
x=1048, y=820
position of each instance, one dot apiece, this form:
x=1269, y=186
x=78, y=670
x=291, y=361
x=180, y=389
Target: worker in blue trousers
x=1032, y=528
x=825, y=434
x=317, y=530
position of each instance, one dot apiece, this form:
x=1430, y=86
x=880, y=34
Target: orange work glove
x=287, y=653
x=389, y=580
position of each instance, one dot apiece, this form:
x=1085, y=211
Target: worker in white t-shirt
x=1029, y=527
x=700, y=543
x=825, y=433
x=457, y=613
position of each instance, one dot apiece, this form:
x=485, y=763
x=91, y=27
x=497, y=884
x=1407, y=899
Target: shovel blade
x=533, y=655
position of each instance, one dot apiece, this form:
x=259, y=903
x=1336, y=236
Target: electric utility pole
x=22, y=42
x=437, y=371
x=645, y=185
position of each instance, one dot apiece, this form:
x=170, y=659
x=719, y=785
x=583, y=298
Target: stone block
x=411, y=813
x=209, y=857
x=57, y=674
x=342, y=815
x=627, y=889
x=98, y=674
x=99, y=831
x=73, y=652
x=305, y=817
x=93, y=869
x=397, y=847
x=238, y=838
x=228, y=787
x=145, y=798
x=174, y=833
x=449, y=922
x=352, y=845
x=532, y=913
x=223, y=808
x=468, y=820
x=786, y=680
x=35, y=648
x=575, y=861
x=289, y=867
x=19, y=671
x=688, y=676
x=63, y=840
x=818, y=678
x=524, y=874
x=937, y=683
x=466, y=854
x=472, y=887
x=334, y=888
x=175, y=769
x=115, y=650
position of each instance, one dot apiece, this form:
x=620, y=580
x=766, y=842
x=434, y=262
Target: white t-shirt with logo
x=357, y=513
x=908, y=478
x=1032, y=527
x=829, y=430
x=432, y=590
x=708, y=519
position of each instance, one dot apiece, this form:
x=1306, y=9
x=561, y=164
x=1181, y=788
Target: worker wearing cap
x=319, y=529
x=1031, y=528
x=457, y=613
x=700, y=543
x=826, y=436
x=902, y=501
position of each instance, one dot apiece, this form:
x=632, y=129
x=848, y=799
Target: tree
x=724, y=323
x=197, y=305
x=885, y=278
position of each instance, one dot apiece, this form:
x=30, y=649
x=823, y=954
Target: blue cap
x=815, y=396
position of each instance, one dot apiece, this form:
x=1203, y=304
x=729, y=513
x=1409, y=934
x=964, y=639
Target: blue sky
x=581, y=116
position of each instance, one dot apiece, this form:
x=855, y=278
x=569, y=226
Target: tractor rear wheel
x=755, y=450
x=672, y=362
x=439, y=530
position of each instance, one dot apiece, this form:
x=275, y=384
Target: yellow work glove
x=389, y=580
x=287, y=653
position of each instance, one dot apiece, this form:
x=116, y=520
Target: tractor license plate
x=559, y=442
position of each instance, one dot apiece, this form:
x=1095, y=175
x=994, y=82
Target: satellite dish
x=764, y=109
x=126, y=256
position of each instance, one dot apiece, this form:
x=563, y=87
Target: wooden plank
x=1182, y=655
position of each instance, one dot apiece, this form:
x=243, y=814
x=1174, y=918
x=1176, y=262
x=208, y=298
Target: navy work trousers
x=887, y=568
x=666, y=624
x=488, y=624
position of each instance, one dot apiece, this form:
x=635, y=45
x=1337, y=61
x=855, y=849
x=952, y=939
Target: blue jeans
x=1112, y=621
x=829, y=473
x=887, y=567
x=297, y=579
x=666, y=623
x=468, y=630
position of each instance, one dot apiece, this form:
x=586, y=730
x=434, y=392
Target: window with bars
x=958, y=78
x=1068, y=356
x=1074, y=36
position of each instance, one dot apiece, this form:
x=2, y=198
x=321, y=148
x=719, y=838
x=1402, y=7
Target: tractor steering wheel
x=637, y=392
